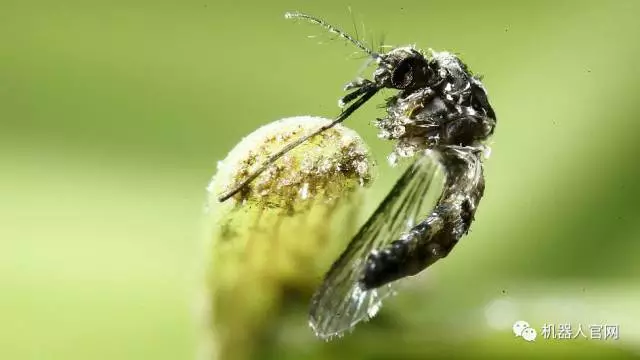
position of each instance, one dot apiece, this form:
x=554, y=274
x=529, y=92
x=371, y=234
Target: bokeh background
x=113, y=115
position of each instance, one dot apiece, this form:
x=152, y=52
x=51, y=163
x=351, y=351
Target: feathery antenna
x=332, y=29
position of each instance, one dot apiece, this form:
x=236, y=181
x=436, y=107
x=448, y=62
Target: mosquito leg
x=363, y=88
x=357, y=83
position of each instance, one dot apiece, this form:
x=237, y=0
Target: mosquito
x=440, y=117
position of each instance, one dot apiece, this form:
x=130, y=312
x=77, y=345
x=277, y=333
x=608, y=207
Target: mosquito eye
x=411, y=72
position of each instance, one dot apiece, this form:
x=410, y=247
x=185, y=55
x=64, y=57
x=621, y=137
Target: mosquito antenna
x=343, y=115
x=332, y=29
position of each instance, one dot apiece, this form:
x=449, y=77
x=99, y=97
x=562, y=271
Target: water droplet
x=392, y=159
x=304, y=191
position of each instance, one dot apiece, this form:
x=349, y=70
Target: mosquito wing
x=340, y=302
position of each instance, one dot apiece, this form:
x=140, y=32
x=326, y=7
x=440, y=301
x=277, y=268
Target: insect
x=440, y=117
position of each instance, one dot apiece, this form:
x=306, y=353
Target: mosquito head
x=403, y=68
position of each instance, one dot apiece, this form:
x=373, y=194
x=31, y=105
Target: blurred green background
x=114, y=114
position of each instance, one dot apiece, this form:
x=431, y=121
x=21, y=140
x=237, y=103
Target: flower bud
x=282, y=231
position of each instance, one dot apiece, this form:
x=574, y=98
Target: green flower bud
x=281, y=233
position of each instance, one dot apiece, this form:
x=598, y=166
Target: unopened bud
x=282, y=231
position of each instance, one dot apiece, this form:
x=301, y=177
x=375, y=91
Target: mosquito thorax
x=440, y=102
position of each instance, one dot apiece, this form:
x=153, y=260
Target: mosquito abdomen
x=405, y=257
x=433, y=238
